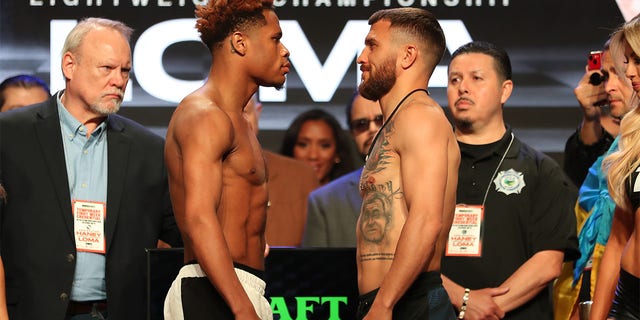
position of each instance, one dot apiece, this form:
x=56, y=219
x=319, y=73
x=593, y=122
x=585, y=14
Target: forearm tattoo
x=376, y=256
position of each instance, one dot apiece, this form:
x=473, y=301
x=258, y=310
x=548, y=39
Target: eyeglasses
x=362, y=124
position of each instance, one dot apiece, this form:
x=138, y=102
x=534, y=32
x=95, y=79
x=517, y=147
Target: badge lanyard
x=465, y=235
x=486, y=193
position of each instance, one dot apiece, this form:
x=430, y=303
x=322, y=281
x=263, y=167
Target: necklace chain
x=373, y=143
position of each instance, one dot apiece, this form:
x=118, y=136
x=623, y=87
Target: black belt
x=84, y=307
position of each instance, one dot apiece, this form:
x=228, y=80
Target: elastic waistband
x=245, y=275
x=253, y=271
x=424, y=282
x=369, y=295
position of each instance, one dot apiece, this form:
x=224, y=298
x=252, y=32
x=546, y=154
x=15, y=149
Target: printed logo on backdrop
x=321, y=80
x=169, y=61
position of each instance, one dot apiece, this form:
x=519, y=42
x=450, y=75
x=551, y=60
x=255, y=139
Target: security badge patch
x=509, y=181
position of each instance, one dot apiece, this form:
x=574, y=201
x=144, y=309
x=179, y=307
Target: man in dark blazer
x=60, y=259
x=333, y=209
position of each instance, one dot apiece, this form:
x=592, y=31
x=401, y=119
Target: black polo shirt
x=520, y=219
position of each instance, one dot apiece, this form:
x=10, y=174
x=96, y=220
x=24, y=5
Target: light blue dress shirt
x=86, y=160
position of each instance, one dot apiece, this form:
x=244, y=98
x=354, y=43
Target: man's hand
x=590, y=97
x=482, y=306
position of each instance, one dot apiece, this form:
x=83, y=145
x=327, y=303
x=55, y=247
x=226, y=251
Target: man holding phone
x=594, y=208
x=602, y=108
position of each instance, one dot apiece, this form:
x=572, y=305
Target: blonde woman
x=617, y=289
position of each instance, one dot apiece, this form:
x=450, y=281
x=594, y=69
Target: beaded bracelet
x=463, y=307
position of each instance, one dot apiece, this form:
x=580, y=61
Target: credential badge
x=509, y=181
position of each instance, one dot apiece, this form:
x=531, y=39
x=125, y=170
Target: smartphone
x=594, y=62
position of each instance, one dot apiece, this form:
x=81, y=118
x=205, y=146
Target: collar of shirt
x=483, y=151
x=71, y=127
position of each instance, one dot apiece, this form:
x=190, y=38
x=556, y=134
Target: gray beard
x=105, y=111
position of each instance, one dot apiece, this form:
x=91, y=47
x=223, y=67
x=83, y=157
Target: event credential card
x=88, y=225
x=465, y=238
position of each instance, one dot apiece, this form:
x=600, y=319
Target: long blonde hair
x=620, y=164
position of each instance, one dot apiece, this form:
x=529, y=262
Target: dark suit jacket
x=333, y=212
x=36, y=224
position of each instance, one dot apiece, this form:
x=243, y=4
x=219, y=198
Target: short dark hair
x=500, y=57
x=21, y=81
x=418, y=23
